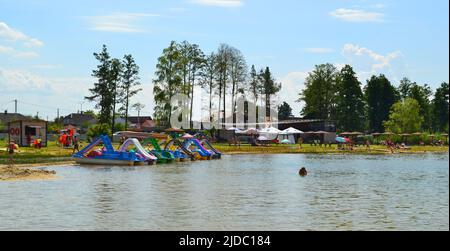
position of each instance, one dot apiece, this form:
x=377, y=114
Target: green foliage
x=119, y=127
x=98, y=130
x=168, y=81
x=380, y=96
x=284, y=111
x=269, y=87
x=440, y=106
x=350, y=105
x=405, y=117
x=2, y=126
x=102, y=92
x=320, y=93
x=54, y=127
x=129, y=85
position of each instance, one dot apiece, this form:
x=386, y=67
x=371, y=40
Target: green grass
x=280, y=149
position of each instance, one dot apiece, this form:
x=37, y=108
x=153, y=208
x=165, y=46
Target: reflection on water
x=257, y=192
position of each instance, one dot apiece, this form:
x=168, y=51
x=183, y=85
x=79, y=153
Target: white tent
x=292, y=130
x=289, y=134
x=271, y=133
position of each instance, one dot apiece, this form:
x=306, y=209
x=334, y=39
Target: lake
x=241, y=192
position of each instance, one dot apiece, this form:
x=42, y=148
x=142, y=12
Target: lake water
x=256, y=192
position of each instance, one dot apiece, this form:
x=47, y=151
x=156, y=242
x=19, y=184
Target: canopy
x=292, y=130
x=262, y=138
x=270, y=130
x=341, y=140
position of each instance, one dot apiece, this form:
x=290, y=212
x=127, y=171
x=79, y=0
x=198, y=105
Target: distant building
x=145, y=123
x=6, y=117
x=79, y=120
x=24, y=132
x=308, y=125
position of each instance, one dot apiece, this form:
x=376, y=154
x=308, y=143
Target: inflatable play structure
x=195, y=146
x=155, y=149
x=179, y=151
x=108, y=156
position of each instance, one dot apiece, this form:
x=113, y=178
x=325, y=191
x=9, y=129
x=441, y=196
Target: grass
x=54, y=153
x=283, y=149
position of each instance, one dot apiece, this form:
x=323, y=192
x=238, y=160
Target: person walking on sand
x=75, y=145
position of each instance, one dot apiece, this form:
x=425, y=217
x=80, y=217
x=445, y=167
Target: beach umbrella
x=357, y=133
x=270, y=130
x=320, y=132
x=345, y=134
x=285, y=142
x=375, y=134
x=292, y=130
x=388, y=134
x=341, y=140
x=417, y=134
x=187, y=136
x=444, y=135
x=262, y=138
x=310, y=132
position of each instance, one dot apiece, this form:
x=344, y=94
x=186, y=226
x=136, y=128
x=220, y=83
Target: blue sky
x=46, y=46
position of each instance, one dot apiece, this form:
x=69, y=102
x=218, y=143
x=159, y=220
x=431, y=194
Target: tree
x=168, y=82
x=139, y=107
x=115, y=73
x=422, y=94
x=238, y=76
x=207, y=80
x=224, y=54
x=380, y=96
x=255, y=84
x=130, y=80
x=192, y=61
x=269, y=87
x=284, y=111
x=350, y=106
x=405, y=117
x=101, y=92
x=98, y=130
x=441, y=108
x=320, y=93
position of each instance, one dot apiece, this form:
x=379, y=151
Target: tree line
x=379, y=106
x=117, y=82
x=223, y=74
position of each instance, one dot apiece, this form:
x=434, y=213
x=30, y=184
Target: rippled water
x=257, y=192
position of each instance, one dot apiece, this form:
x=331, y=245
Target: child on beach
x=75, y=145
x=11, y=154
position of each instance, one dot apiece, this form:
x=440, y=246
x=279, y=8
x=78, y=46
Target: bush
x=98, y=130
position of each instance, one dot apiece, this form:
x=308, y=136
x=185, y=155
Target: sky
x=46, y=46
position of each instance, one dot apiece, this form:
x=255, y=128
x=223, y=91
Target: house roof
x=9, y=117
x=78, y=119
x=135, y=119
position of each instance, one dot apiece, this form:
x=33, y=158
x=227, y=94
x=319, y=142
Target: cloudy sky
x=46, y=46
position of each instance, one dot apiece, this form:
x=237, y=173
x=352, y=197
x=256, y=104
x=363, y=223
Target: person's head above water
x=303, y=172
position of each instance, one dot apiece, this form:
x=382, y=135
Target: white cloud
x=18, y=80
x=8, y=33
x=17, y=54
x=354, y=15
x=292, y=84
x=219, y=3
x=119, y=22
x=319, y=50
x=378, y=61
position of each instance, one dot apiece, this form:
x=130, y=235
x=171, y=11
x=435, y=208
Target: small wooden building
x=24, y=132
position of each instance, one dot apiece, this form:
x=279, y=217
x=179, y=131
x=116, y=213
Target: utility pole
x=15, y=106
x=57, y=115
